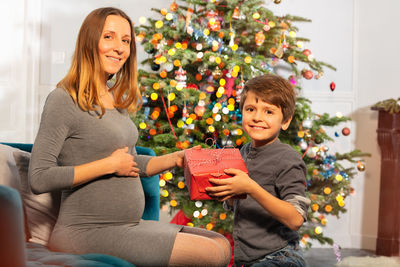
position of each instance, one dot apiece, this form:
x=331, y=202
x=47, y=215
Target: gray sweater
x=280, y=171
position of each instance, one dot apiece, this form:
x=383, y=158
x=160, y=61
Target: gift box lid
x=215, y=161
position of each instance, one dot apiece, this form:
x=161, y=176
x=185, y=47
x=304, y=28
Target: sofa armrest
x=151, y=190
x=22, y=146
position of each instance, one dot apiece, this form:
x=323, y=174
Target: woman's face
x=114, y=44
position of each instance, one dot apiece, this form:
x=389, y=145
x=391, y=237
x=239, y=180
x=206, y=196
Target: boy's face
x=262, y=121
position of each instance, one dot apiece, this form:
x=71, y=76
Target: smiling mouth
x=114, y=59
x=257, y=127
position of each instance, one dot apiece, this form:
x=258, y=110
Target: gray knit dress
x=104, y=215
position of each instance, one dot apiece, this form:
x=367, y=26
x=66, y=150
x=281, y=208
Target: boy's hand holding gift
x=239, y=184
x=202, y=165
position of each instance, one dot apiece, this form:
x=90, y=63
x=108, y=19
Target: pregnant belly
x=104, y=201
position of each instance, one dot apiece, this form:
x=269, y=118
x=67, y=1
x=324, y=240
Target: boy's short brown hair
x=274, y=90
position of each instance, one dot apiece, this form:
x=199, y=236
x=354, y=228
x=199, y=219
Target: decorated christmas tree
x=200, y=54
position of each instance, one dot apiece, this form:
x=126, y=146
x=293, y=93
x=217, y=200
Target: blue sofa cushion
x=38, y=255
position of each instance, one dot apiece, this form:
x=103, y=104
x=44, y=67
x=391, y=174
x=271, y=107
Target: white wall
x=356, y=36
x=376, y=72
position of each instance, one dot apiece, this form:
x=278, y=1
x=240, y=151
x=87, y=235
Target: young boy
x=266, y=222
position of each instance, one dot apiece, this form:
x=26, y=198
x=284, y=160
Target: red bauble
x=332, y=86
x=346, y=131
x=308, y=74
x=306, y=52
x=173, y=7
x=199, y=110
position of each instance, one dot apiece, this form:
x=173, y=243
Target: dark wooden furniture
x=388, y=240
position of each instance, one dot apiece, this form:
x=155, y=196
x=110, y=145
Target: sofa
x=26, y=219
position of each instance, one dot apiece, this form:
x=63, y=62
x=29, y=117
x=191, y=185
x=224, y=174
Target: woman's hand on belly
x=123, y=163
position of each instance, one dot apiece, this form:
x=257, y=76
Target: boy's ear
x=286, y=124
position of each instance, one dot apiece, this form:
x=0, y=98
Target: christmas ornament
x=345, y=131
x=198, y=204
x=292, y=80
x=232, y=40
x=211, y=14
x=332, y=86
x=303, y=145
x=314, y=207
x=163, y=74
x=318, y=229
x=247, y=59
x=164, y=11
x=189, y=29
x=256, y=15
x=271, y=24
x=360, y=166
x=180, y=77
x=259, y=37
x=308, y=74
x=306, y=52
x=155, y=66
x=140, y=37
x=204, y=212
x=214, y=25
x=154, y=96
x=177, y=62
x=185, y=113
x=217, y=73
x=173, y=7
x=327, y=190
x=339, y=177
x=142, y=125
x=181, y=185
x=169, y=16
x=328, y=208
x=156, y=86
x=281, y=46
x=169, y=67
x=162, y=183
x=199, y=110
x=279, y=52
x=159, y=24
x=235, y=14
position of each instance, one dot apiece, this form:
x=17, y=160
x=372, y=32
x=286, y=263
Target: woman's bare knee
x=220, y=239
x=196, y=250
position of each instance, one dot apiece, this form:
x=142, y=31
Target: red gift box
x=203, y=164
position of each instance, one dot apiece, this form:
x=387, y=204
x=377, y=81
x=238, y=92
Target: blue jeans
x=289, y=256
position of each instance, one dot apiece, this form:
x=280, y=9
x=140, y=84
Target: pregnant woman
x=85, y=147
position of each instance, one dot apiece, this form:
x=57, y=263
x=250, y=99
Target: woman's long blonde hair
x=85, y=77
